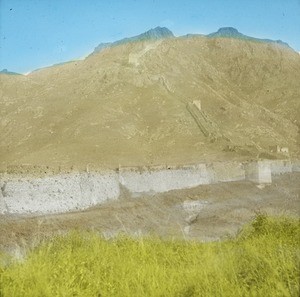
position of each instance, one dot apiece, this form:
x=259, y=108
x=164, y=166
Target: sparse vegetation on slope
x=262, y=261
x=127, y=105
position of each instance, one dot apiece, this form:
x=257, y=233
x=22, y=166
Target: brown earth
x=128, y=105
x=227, y=207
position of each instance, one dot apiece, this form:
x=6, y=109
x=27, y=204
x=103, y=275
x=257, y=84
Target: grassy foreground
x=262, y=261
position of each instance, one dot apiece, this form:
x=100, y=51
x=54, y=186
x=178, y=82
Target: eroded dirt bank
x=205, y=213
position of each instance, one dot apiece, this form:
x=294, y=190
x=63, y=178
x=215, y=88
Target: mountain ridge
x=163, y=32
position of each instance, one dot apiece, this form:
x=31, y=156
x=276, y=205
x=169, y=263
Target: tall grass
x=262, y=261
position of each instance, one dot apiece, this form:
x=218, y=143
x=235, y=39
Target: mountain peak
x=5, y=71
x=226, y=32
x=152, y=34
x=158, y=32
x=230, y=32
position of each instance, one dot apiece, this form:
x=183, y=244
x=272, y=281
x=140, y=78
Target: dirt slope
x=128, y=105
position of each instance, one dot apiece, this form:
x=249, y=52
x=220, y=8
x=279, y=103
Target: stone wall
x=296, y=165
x=57, y=193
x=163, y=179
x=258, y=172
x=226, y=172
x=65, y=192
x=281, y=166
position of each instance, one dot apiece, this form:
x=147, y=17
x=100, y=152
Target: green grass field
x=262, y=261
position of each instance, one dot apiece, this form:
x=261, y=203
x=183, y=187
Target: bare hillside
x=133, y=104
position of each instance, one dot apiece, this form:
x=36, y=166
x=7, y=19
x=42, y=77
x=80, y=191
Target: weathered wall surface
x=3, y=208
x=163, y=180
x=296, y=165
x=58, y=193
x=226, y=172
x=75, y=191
x=281, y=166
x=258, y=172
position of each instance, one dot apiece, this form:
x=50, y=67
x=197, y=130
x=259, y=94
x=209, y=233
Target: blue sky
x=38, y=33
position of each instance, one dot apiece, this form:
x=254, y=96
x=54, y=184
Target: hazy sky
x=38, y=33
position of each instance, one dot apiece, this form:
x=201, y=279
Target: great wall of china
x=207, y=126
x=60, y=192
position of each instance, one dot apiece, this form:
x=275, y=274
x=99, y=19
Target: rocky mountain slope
x=132, y=104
